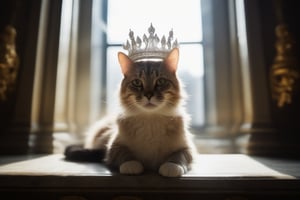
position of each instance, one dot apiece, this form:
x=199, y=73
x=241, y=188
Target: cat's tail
x=79, y=154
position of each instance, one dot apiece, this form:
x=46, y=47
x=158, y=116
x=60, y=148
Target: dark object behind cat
x=80, y=154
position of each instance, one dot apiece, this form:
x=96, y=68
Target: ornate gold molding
x=9, y=62
x=285, y=70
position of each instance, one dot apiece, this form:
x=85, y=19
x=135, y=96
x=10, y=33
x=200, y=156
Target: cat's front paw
x=170, y=169
x=131, y=167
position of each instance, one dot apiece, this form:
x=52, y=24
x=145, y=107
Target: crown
x=152, y=46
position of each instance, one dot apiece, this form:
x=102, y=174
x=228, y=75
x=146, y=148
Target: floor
x=208, y=165
x=220, y=173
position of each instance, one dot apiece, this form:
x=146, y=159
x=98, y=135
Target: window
x=184, y=17
x=209, y=61
x=62, y=87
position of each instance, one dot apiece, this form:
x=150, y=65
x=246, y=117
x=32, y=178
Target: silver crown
x=151, y=48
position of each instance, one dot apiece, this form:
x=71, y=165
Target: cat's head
x=150, y=86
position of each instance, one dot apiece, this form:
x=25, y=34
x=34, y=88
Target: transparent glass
x=184, y=17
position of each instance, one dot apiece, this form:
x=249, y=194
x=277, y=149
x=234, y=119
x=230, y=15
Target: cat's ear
x=171, y=61
x=125, y=62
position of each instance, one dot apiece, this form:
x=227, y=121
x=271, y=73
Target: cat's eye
x=161, y=81
x=137, y=83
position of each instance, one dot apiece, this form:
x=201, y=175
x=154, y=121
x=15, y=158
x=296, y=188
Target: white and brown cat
x=151, y=131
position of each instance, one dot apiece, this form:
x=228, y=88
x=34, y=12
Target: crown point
x=175, y=44
x=171, y=33
x=138, y=41
x=126, y=46
x=163, y=42
x=151, y=29
x=145, y=39
x=131, y=34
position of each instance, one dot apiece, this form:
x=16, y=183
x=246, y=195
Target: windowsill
x=214, y=173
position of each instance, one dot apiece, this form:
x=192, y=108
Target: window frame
x=226, y=112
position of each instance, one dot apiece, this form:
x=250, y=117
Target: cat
x=151, y=132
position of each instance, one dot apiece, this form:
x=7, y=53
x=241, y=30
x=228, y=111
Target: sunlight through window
x=184, y=17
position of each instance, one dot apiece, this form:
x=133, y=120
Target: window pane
x=114, y=77
x=185, y=19
x=191, y=72
x=183, y=16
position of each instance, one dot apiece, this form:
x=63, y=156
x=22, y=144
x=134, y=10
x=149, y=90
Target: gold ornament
x=9, y=62
x=284, y=72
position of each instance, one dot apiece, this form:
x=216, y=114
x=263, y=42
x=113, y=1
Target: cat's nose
x=149, y=95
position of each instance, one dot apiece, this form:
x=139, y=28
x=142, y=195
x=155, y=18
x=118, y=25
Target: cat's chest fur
x=152, y=138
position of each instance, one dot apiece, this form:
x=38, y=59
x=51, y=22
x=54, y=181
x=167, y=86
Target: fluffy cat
x=151, y=131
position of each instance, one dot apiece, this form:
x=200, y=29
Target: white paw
x=170, y=169
x=131, y=167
